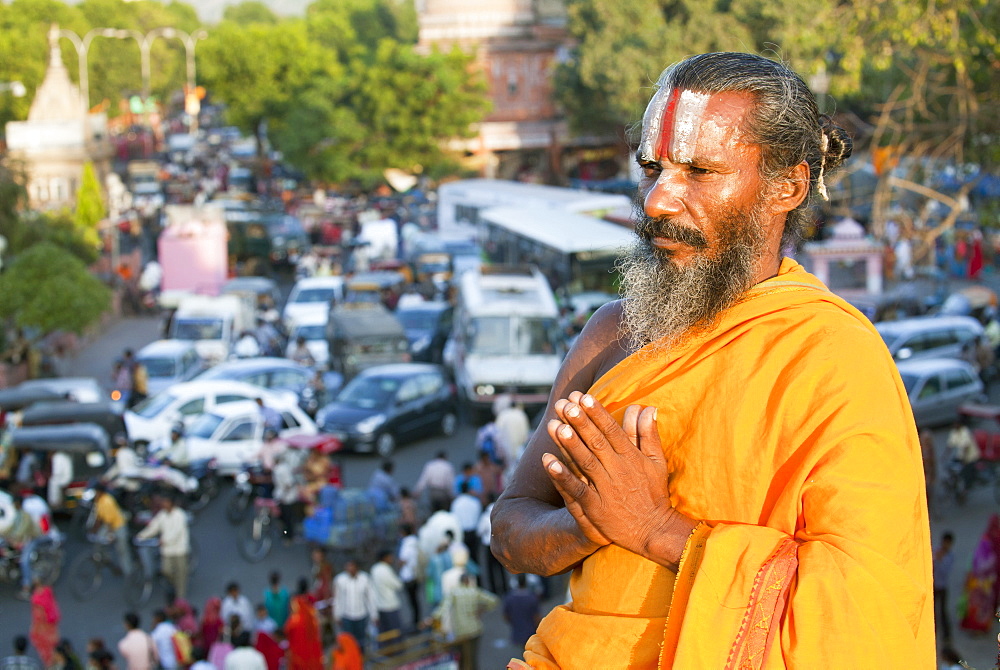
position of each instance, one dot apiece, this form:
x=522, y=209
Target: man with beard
x=729, y=464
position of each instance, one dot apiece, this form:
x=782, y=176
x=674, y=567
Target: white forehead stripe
x=652, y=124
x=687, y=123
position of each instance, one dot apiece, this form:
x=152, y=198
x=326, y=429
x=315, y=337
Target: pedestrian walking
x=983, y=581
x=521, y=612
x=45, y=616
x=19, y=660
x=437, y=478
x=163, y=637
x=305, y=648
x=493, y=571
x=944, y=561
x=388, y=587
x=170, y=524
x=276, y=600
x=137, y=647
x=235, y=603
x=928, y=454
x=466, y=605
x=243, y=656
x=354, y=602
x=409, y=569
x=467, y=508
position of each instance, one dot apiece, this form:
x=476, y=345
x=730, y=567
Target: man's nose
x=664, y=198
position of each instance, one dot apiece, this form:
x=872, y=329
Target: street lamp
x=82, y=46
x=145, y=42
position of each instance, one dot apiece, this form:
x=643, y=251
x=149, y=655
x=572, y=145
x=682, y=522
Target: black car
x=387, y=405
x=427, y=326
x=278, y=374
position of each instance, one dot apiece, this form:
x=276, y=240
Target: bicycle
x=86, y=572
x=983, y=474
x=258, y=534
x=146, y=575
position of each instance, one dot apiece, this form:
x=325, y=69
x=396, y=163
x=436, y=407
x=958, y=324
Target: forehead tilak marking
x=671, y=125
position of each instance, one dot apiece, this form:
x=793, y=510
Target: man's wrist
x=667, y=546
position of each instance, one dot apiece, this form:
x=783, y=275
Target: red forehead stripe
x=667, y=127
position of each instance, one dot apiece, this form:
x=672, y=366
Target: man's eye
x=694, y=169
x=650, y=169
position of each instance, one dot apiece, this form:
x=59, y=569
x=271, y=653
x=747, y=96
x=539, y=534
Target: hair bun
x=839, y=144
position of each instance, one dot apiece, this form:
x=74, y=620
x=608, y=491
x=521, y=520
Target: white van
x=506, y=338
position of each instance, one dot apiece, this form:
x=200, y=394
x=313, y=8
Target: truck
x=506, y=338
x=213, y=323
x=192, y=253
x=362, y=335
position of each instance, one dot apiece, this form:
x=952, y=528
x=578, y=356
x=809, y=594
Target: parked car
x=265, y=292
x=929, y=337
x=276, y=374
x=311, y=293
x=168, y=362
x=233, y=433
x=427, y=326
x=937, y=387
x=153, y=418
x=388, y=405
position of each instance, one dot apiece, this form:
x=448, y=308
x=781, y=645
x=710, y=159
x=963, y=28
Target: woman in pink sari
x=982, y=586
x=211, y=622
x=45, y=617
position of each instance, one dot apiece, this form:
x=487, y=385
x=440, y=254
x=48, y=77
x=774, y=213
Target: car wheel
x=449, y=422
x=385, y=445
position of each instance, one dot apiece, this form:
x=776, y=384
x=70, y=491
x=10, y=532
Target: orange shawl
x=787, y=430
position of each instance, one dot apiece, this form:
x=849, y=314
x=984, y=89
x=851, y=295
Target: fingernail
x=573, y=410
x=656, y=412
x=556, y=467
x=566, y=431
x=588, y=400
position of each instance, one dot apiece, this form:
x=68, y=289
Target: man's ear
x=791, y=190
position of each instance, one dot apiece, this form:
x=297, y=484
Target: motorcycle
x=253, y=482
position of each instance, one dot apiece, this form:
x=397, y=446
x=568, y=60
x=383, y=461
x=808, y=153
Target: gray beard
x=666, y=303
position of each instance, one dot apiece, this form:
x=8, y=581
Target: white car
x=311, y=293
x=312, y=327
x=152, y=419
x=233, y=433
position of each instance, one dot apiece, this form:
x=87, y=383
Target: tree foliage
x=34, y=295
x=89, y=203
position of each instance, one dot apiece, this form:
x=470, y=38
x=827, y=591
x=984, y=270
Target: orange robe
x=788, y=431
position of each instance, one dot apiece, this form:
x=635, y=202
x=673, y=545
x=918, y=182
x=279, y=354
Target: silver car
x=937, y=387
x=929, y=336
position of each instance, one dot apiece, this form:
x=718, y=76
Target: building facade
x=59, y=138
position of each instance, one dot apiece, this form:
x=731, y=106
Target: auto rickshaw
x=62, y=412
x=86, y=444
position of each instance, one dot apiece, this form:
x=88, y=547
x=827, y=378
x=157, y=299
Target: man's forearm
x=531, y=536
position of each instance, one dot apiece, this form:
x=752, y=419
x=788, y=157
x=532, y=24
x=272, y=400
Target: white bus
x=576, y=252
x=506, y=338
x=460, y=202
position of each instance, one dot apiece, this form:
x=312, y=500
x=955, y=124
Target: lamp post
x=82, y=46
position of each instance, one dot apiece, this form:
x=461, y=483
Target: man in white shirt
x=137, y=648
x=238, y=604
x=468, y=508
x=354, y=602
x=243, y=656
x=171, y=525
x=60, y=478
x=438, y=478
x=163, y=637
x=388, y=587
x=409, y=569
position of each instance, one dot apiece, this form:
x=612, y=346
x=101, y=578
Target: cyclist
x=108, y=514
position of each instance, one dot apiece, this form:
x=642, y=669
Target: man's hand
x=614, y=479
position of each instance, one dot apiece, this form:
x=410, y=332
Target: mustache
x=648, y=228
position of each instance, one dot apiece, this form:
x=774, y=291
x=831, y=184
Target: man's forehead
x=672, y=123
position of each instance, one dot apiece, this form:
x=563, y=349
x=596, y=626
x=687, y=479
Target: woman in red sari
x=45, y=617
x=982, y=586
x=305, y=649
x=347, y=654
x=211, y=623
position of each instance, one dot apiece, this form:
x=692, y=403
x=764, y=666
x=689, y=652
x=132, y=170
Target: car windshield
x=317, y=332
x=369, y=392
x=417, y=320
x=160, y=367
x=198, y=329
x=204, y=426
x=505, y=336
x=151, y=407
x=314, y=295
x=909, y=381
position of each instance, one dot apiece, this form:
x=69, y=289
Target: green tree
x=89, y=204
x=249, y=12
x=48, y=289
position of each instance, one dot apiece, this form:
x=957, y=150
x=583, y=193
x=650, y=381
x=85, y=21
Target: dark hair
x=948, y=536
x=463, y=487
x=522, y=580
x=232, y=585
x=20, y=644
x=199, y=653
x=274, y=578
x=785, y=121
x=242, y=639
x=131, y=620
x=442, y=455
x=387, y=467
x=160, y=615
